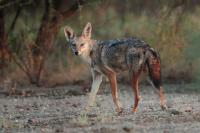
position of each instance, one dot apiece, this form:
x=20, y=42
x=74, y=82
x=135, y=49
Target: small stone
x=175, y=112
x=127, y=129
x=32, y=121
x=188, y=109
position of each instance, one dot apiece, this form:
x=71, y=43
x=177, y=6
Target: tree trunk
x=50, y=25
x=51, y=22
x=44, y=41
x=4, y=56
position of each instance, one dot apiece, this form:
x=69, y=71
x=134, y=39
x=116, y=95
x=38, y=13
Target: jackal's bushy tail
x=154, y=68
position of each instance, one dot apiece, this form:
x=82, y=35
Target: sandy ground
x=60, y=109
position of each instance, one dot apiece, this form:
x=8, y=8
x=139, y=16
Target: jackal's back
x=121, y=55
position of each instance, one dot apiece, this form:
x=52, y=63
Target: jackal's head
x=79, y=44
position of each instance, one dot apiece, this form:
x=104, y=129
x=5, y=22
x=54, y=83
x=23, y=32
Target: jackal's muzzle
x=76, y=52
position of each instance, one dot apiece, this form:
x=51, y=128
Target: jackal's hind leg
x=134, y=84
x=97, y=79
x=160, y=93
x=155, y=76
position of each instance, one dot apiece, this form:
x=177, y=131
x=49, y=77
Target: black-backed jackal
x=113, y=56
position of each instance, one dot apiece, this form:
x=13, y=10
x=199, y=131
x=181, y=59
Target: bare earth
x=60, y=109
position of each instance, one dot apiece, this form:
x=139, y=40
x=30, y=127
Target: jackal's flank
x=113, y=56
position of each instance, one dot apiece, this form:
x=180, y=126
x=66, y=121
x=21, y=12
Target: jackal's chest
x=86, y=57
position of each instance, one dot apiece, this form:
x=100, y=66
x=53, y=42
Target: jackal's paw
x=134, y=109
x=163, y=107
x=119, y=110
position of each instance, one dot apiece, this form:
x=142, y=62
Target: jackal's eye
x=82, y=44
x=73, y=45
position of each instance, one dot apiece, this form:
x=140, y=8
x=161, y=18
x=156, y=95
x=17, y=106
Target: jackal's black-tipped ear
x=87, y=30
x=69, y=33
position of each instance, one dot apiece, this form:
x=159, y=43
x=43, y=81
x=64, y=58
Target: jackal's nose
x=76, y=53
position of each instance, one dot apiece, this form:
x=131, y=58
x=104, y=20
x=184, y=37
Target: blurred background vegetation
x=33, y=49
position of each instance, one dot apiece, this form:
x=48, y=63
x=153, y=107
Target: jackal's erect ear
x=87, y=30
x=69, y=33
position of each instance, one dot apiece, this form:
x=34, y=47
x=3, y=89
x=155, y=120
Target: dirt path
x=61, y=110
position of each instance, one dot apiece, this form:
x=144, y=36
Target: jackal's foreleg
x=113, y=85
x=97, y=79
